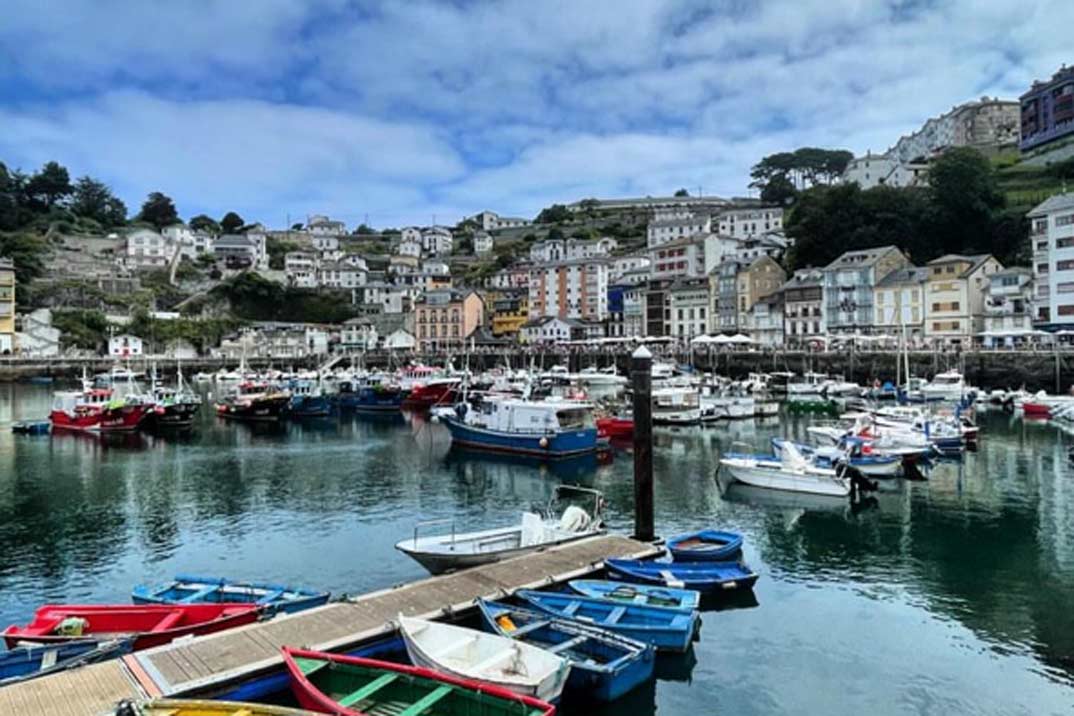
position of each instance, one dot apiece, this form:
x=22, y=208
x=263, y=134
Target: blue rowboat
x=702, y=576
x=32, y=660
x=604, y=665
x=191, y=589
x=637, y=593
x=665, y=628
x=705, y=546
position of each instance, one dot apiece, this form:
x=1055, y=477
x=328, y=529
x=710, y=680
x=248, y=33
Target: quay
x=209, y=664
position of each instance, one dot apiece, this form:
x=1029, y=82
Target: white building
x=748, y=222
x=490, y=221
x=688, y=301
x=546, y=329
x=621, y=265
x=517, y=276
x=876, y=169
x=634, y=309
x=358, y=334
x=326, y=243
x=1051, y=233
x=340, y=275
x=570, y=289
x=301, y=269
x=410, y=233
x=482, y=242
x=258, y=241
x=190, y=243
x=435, y=267
x=664, y=231
x=437, y=240
x=400, y=340
x=148, y=249
x=38, y=338
x=319, y=225
x=125, y=346
x=1008, y=306
x=682, y=258
x=571, y=249
x=410, y=247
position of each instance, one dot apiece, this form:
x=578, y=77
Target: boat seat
x=494, y=660
x=271, y=597
x=425, y=703
x=169, y=621
x=571, y=608
x=241, y=712
x=569, y=644
x=369, y=689
x=615, y=615
x=671, y=580
x=200, y=594
x=459, y=646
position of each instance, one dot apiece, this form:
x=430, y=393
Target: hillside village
x=679, y=268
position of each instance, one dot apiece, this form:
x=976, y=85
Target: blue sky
x=405, y=110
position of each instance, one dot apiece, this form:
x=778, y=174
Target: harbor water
x=950, y=595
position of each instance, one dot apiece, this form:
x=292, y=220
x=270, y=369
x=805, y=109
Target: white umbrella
x=721, y=340
x=701, y=340
x=739, y=338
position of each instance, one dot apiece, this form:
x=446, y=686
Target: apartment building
x=899, y=302
x=850, y=287
x=759, y=279
x=444, y=318
x=1047, y=110
x=803, y=306
x=663, y=231
x=510, y=310
x=1051, y=235
x=1008, y=306
x=148, y=249
x=749, y=222
x=569, y=289
x=7, y=306
x=491, y=221
x=680, y=258
x=689, y=305
x=954, y=297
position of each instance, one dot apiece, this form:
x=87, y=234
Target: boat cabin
x=521, y=416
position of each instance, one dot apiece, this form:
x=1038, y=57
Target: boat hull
x=123, y=419
x=194, y=707
x=30, y=661
x=174, y=416
x=191, y=589
x=439, y=563
x=705, y=546
x=260, y=410
x=644, y=594
x=704, y=577
x=555, y=445
x=776, y=479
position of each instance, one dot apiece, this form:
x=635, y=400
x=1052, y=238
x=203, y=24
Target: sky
x=407, y=111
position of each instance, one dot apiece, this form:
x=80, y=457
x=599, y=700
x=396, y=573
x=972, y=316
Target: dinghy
x=705, y=546
x=443, y=552
x=604, y=666
x=353, y=686
x=637, y=593
x=186, y=707
x=790, y=471
x=28, y=661
x=476, y=656
x=702, y=576
x=147, y=625
x=665, y=628
x=190, y=589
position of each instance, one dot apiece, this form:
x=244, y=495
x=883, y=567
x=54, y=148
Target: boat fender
x=543, y=442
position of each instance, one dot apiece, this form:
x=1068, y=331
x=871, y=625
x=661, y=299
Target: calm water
x=954, y=595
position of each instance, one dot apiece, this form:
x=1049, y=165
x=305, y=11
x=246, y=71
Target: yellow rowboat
x=182, y=707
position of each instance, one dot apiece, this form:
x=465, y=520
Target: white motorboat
x=489, y=658
x=676, y=406
x=948, y=385
x=443, y=552
x=603, y=377
x=791, y=472
x=811, y=384
x=836, y=387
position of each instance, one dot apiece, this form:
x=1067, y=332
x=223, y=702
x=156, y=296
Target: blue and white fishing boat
x=308, y=399
x=543, y=428
x=847, y=451
x=643, y=594
x=32, y=660
x=702, y=576
x=192, y=589
x=705, y=546
x=665, y=628
x=604, y=665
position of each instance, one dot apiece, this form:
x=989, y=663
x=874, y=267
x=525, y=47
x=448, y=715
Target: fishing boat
x=96, y=410
x=615, y=428
x=372, y=397
x=700, y=576
x=28, y=661
x=544, y=428
x=254, y=401
x=307, y=399
x=203, y=707
x=643, y=594
x=604, y=665
x=146, y=625
x=442, y=552
x=852, y=451
x=705, y=546
x=789, y=471
x=422, y=396
x=668, y=629
x=353, y=686
x=192, y=589
x=676, y=405
x=486, y=658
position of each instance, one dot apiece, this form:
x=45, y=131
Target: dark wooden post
x=642, y=384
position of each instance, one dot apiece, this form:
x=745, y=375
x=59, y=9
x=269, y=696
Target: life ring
x=543, y=442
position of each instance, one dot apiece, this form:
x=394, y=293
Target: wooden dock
x=211, y=662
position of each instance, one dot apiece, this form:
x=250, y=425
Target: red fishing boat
x=615, y=428
x=148, y=624
x=433, y=393
x=96, y=409
x=1036, y=410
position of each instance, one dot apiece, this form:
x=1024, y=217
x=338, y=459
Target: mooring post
x=641, y=381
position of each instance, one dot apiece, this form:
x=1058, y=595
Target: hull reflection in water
x=573, y=469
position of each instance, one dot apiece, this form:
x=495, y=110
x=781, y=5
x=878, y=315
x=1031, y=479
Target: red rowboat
x=615, y=428
x=310, y=697
x=433, y=393
x=149, y=624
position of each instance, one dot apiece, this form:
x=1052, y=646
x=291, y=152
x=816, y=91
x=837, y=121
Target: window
x=1065, y=310
x=1064, y=243
x=1065, y=220
x=1067, y=287
x=1043, y=268
x=1061, y=266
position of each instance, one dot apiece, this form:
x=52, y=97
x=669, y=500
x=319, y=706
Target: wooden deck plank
x=91, y=690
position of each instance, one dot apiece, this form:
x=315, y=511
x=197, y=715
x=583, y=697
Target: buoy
x=543, y=442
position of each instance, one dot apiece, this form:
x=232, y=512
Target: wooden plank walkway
x=200, y=664
x=88, y=691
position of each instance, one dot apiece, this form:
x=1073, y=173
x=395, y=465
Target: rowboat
x=636, y=593
x=487, y=658
x=28, y=661
x=185, y=707
x=604, y=665
x=665, y=628
x=353, y=686
x=191, y=589
x=705, y=546
x=442, y=552
x=147, y=625
x=702, y=576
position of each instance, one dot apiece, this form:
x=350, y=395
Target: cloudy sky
x=403, y=110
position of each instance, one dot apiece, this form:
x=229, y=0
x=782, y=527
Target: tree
x=27, y=252
x=231, y=223
x=555, y=234
x=201, y=222
x=803, y=168
x=50, y=185
x=364, y=230
x=8, y=205
x=159, y=210
x=297, y=226
x=555, y=214
x=682, y=192
x=779, y=190
x=966, y=201
x=93, y=199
